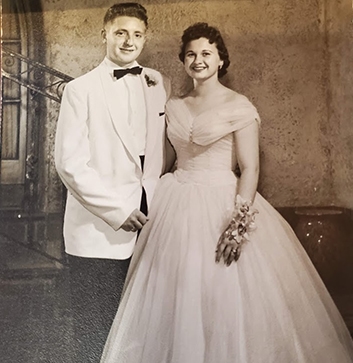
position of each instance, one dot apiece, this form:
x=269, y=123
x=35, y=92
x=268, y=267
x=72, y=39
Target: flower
x=151, y=81
x=243, y=221
x=238, y=230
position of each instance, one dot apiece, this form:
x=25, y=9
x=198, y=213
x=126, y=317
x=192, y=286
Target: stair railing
x=52, y=81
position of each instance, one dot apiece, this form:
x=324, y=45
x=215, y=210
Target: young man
x=109, y=154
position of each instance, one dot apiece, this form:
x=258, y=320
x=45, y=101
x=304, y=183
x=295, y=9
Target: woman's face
x=202, y=60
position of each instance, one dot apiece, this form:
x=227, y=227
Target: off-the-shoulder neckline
x=186, y=107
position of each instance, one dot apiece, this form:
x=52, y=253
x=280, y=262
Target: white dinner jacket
x=98, y=162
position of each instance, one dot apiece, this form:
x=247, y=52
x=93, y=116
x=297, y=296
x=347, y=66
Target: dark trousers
x=96, y=286
x=143, y=204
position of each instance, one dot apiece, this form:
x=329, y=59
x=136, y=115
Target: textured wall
x=279, y=59
x=340, y=93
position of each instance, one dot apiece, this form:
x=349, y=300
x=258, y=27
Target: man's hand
x=134, y=222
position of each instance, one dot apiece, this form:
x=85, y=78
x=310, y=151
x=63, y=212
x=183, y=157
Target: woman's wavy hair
x=203, y=30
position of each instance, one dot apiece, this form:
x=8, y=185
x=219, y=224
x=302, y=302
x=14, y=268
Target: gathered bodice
x=206, y=142
x=215, y=156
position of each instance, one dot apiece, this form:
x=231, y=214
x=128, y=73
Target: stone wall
x=288, y=57
x=340, y=98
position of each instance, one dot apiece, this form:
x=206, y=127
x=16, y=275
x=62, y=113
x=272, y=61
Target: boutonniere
x=151, y=81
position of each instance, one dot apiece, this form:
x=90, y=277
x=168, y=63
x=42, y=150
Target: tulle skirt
x=180, y=306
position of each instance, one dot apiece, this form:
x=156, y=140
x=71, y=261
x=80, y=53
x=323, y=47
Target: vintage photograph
x=176, y=181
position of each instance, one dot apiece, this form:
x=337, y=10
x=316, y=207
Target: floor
x=36, y=322
x=35, y=319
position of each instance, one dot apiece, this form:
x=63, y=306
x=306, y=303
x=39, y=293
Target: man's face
x=125, y=37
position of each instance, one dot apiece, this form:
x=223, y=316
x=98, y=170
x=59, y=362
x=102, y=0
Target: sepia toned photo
x=176, y=181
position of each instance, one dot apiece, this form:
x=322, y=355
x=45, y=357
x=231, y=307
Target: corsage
x=241, y=225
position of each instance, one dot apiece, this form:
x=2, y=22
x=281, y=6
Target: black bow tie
x=118, y=73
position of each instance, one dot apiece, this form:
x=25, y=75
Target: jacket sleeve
x=72, y=160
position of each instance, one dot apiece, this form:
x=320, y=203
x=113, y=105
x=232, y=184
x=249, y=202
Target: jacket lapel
x=118, y=112
x=151, y=99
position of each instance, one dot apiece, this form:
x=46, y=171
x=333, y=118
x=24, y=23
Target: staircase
x=37, y=77
x=30, y=241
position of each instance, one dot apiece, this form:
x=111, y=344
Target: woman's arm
x=247, y=153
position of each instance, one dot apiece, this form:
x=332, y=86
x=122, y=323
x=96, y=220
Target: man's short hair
x=134, y=10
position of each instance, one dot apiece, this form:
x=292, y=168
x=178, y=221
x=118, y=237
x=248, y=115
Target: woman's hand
x=227, y=248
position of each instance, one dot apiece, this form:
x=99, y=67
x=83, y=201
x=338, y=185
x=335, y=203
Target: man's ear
x=147, y=37
x=104, y=35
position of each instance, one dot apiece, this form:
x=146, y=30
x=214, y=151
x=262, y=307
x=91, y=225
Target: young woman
x=205, y=285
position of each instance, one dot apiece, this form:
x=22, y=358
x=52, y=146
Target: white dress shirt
x=135, y=102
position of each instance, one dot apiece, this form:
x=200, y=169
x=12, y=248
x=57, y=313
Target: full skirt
x=180, y=306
